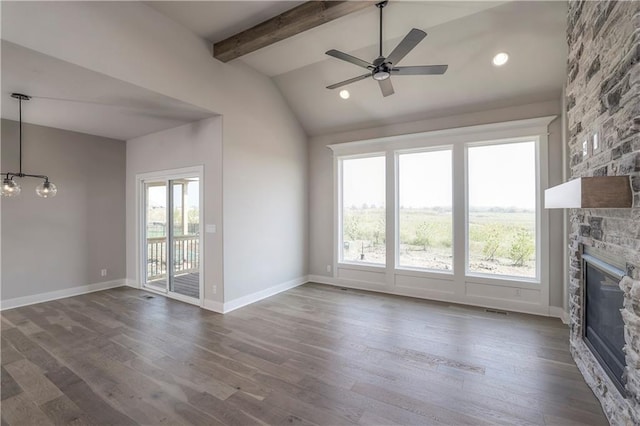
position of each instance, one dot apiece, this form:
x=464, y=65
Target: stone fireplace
x=603, y=120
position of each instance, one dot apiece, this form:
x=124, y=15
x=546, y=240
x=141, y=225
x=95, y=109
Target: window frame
x=397, y=153
x=340, y=202
x=538, y=210
x=490, y=291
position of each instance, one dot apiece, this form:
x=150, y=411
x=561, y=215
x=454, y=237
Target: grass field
x=500, y=242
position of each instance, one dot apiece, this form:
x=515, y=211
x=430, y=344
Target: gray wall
x=265, y=198
x=265, y=160
x=321, y=179
x=195, y=144
x=62, y=242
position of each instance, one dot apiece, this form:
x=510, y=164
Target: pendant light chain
x=20, y=131
x=10, y=188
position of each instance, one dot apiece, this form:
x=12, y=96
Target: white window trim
x=418, y=269
x=508, y=293
x=539, y=212
x=340, y=204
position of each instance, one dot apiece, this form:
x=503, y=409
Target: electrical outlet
x=328, y=268
x=103, y=272
x=518, y=292
x=215, y=289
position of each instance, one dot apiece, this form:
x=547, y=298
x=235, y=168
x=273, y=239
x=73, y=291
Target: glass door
x=155, y=244
x=184, y=277
x=171, y=246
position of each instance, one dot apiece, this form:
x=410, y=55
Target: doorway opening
x=171, y=228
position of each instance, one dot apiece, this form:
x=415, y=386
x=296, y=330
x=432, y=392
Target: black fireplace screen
x=604, y=327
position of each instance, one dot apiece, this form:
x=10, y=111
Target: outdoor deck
x=187, y=284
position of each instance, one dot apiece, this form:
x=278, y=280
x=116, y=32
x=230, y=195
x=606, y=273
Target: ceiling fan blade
x=420, y=70
x=386, y=87
x=407, y=44
x=351, y=59
x=351, y=80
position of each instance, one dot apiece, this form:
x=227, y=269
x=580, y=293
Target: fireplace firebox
x=603, y=330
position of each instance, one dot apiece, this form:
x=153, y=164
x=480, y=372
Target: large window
x=502, y=209
x=425, y=210
x=363, y=216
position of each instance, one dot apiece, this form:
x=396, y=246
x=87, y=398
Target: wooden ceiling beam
x=299, y=19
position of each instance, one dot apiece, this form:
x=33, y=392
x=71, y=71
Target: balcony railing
x=186, y=256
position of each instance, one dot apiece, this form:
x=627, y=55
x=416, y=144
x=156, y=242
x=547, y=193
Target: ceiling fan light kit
x=11, y=188
x=500, y=59
x=382, y=68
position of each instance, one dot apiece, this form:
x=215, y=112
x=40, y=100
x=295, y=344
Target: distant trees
x=496, y=238
x=359, y=228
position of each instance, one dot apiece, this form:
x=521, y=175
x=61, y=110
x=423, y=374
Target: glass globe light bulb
x=46, y=189
x=10, y=188
x=381, y=75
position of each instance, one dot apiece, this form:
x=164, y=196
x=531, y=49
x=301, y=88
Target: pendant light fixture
x=11, y=188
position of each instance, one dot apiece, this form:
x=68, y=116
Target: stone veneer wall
x=603, y=94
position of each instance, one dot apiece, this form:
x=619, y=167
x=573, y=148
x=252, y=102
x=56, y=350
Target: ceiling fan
x=382, y=68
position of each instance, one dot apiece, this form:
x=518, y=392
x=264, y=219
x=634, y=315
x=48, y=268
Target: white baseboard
x=234, y=304
x=491, y=303
x=129, y=282
x=558, y=312
x=322, y=280
x=59, y=294
x=214, y=306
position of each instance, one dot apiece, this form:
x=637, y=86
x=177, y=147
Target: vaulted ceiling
x=464, y=35
x=70, y=97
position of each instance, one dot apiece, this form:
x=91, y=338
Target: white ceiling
x=463, y=34
x=218, y=20
x=69, y=97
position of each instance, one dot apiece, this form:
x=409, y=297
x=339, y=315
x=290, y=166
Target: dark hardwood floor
x=313, y=355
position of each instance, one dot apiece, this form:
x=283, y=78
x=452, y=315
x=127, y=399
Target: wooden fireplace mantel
x=610, y=192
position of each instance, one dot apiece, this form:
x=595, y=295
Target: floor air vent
x=495, y=311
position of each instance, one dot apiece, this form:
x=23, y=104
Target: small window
x=363, y=212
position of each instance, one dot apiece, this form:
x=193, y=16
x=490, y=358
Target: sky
x=158, y=196
x=499, y=176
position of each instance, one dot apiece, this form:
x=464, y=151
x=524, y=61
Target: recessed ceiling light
x=344, y=94
x=500, y=59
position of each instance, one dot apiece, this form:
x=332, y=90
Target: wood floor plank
x=30, y=349
x=62, y=411
x=20, y=410
x=32, y=380
x=268, y=413
x=8, y=353
x=9, y=386
x=431, y=412
x=314, y=355
x=81, y=394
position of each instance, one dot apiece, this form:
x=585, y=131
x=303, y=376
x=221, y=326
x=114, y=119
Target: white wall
x=265, y=167
x=195, y=144
x=58, y=245
x=321, y=179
